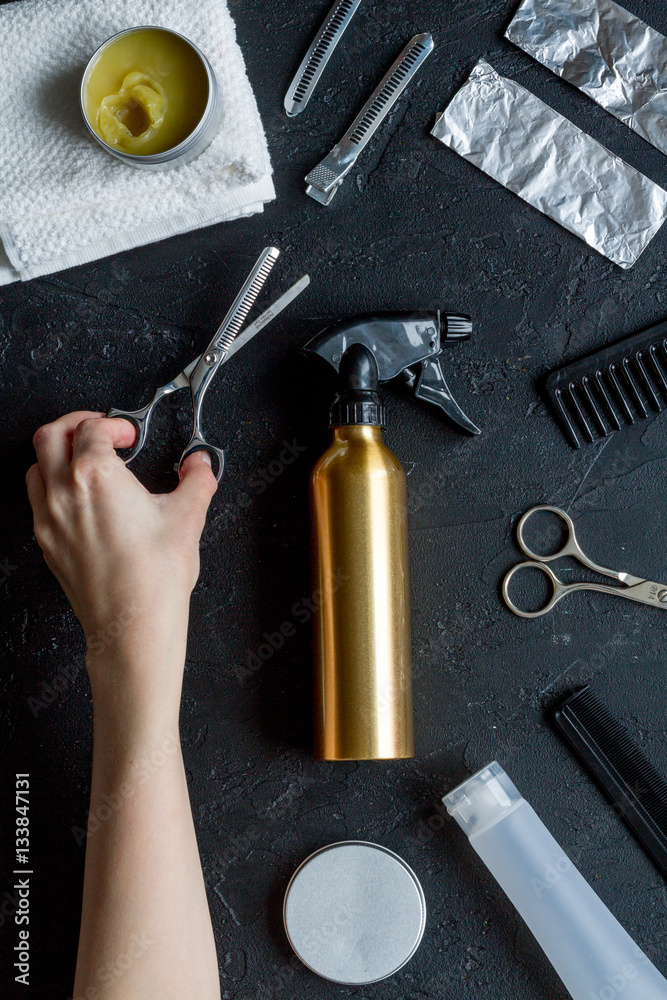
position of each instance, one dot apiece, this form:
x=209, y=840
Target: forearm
x=128, y=561
x=145, y=930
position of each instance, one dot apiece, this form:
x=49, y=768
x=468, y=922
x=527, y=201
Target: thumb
x=196, y=489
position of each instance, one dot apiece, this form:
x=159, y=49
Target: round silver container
x=200, y=137
x=354, y=912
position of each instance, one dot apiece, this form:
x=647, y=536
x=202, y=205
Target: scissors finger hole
x=216, y=456
x=529, y=589
x=544, y=533
x=129, y=452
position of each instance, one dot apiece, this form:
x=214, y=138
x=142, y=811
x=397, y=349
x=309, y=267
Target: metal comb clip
x=325, y=179
x=318, y=55
x=599, y=392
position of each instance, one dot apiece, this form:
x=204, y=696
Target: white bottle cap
x=483, y=799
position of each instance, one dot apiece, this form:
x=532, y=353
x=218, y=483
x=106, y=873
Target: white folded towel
x=63, y=199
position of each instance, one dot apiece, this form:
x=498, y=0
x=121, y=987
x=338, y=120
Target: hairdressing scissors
x=632, y=587
x=200, y=373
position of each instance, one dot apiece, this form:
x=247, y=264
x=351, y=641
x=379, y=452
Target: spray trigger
x=407, y=344
x=430, y=386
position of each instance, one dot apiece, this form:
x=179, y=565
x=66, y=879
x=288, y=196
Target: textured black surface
x=413, y=227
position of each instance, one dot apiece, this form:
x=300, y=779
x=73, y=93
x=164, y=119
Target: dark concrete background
x=413, y=227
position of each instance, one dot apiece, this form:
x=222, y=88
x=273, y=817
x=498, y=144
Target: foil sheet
x=605, y=51
x=531, y=149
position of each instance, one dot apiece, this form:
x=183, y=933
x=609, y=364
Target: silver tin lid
x=190, y=148
x=354, y=912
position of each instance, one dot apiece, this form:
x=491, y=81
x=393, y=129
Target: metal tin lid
x=354, y=912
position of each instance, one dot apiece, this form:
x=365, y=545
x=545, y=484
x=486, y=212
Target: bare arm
x=128, y=562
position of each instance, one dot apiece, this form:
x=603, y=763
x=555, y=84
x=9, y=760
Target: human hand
x=127, y=560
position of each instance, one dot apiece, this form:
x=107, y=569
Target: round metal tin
x=354, y=912
x=200, y=137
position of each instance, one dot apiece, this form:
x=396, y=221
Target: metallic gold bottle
x=363, y=669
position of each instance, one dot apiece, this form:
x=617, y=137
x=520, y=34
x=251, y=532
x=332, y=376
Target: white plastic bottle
x=593, y=955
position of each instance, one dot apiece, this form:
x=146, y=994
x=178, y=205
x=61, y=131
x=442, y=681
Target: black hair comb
x=602, y=391
x=628, y=779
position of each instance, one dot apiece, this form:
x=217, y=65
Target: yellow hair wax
x=146, y=91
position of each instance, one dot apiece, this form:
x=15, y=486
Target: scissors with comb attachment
x=200, y=373
x=632, y=587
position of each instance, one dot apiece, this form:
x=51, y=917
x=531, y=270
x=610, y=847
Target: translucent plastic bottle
x=593, y=955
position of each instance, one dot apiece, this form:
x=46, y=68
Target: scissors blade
x=628, y=580
x=267, y=317
x=244, y=301
x=646, y=592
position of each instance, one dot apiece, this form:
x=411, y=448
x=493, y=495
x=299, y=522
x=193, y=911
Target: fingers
x=36, y=490
x=192, y=496
x=53, y=444
x=101, y=437
x=37, y=496
x=94, y=444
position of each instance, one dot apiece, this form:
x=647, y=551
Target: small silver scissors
x=634, y=588
x=199, y=374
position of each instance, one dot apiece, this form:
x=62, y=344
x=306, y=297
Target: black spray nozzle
x=358, y=371
x=408, y=344
x=358, y=400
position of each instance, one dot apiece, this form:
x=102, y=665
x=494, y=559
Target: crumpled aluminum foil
x=605, y=51
x=544, y=158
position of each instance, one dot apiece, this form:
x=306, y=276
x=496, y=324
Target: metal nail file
x=325, y=179
x=318, y=55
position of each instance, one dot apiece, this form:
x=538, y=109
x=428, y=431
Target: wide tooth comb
x=611, y=412
x=637, y=790
x=574, y=399
x=641, y=364
x=593, y=404
x=565, y=416
x=634, y=388
x=654, y=358
x=620, y=393
x=618, y=385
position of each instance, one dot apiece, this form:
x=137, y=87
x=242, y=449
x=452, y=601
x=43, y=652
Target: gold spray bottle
x=363, y=669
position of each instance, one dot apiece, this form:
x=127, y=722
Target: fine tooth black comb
x=602, y=391
x=637, y=790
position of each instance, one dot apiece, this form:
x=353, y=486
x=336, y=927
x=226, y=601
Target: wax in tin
x=146, y=91
x=552, y=164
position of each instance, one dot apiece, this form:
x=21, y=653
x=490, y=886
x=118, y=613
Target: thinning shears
x=632, y=587
x=200, y=373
